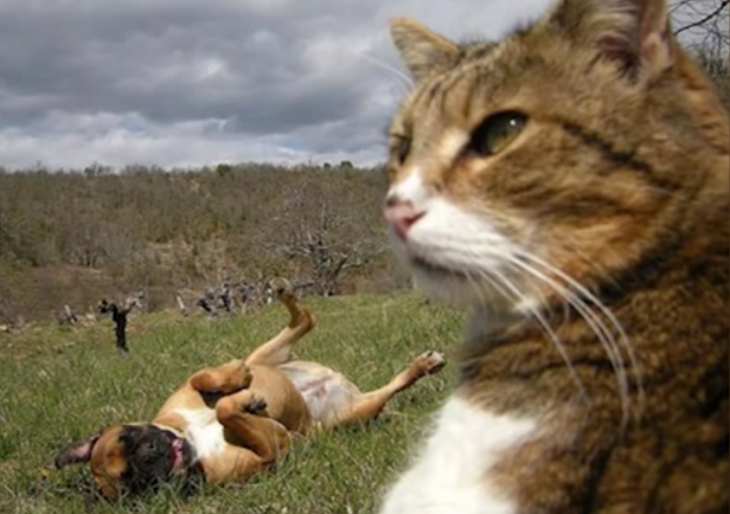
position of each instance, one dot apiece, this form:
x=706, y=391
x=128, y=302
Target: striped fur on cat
x=569, y=184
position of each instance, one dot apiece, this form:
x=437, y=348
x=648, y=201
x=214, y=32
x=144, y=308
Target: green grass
x=60, y=384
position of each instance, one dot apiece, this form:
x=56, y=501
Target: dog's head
x=130, y=459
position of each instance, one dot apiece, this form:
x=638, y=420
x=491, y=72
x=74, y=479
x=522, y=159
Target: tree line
x=71, y=237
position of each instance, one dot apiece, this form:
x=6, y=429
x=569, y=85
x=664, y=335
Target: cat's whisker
x=404, y=82
x=488, y=300
x=587, y=260
x=474, y=285
x=622, y=341
x=545, y=327
x=623, y=338
x=477, y=254
x=598, y=328
x=535, y=290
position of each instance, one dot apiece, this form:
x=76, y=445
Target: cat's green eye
x=496, y=132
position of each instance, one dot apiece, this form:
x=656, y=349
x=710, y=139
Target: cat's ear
x=423, y=51
x=635, y=34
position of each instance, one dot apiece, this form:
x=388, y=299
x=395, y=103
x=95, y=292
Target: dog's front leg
x=244, y=415
x=226, y=379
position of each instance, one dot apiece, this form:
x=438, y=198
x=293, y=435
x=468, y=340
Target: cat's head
x=564, y=150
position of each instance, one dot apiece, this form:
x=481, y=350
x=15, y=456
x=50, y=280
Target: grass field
x=61, y=384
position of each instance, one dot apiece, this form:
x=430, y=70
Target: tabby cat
x=569, y=184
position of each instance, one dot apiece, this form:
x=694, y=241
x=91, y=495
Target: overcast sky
x=192, y=82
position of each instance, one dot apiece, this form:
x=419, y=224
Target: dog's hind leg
x=368, y=405
x=278, y=350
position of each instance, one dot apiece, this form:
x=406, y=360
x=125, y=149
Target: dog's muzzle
x=154, y=456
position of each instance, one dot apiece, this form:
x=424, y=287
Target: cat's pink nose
x=401, y=214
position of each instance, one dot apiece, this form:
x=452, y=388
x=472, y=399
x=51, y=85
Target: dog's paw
x=243, y=376
x=429, y=362
x=256, y=405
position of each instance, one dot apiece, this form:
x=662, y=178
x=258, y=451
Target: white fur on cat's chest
x=451, y=474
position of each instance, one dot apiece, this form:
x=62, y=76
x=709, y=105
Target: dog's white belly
x=451, y=475
x=324, y=390
x=203, y=431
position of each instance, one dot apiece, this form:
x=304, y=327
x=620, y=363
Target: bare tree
x=208, y=303
x=703, y=27
x=328, y=253
x=67, y=316
x=217, y=298
x=702, y=22
x=252, y=293
x=119, y=317
x=135, y=300
x=181, y=305
x=225, y=295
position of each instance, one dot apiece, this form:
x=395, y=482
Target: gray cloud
x=192, y=82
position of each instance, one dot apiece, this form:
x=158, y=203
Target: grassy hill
x=61, y=384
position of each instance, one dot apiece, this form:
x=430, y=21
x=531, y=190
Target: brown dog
x=231, y=422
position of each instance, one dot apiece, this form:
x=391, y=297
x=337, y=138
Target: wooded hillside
x=73, y=237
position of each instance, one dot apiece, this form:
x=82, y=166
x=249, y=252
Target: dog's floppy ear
x=75, y=453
